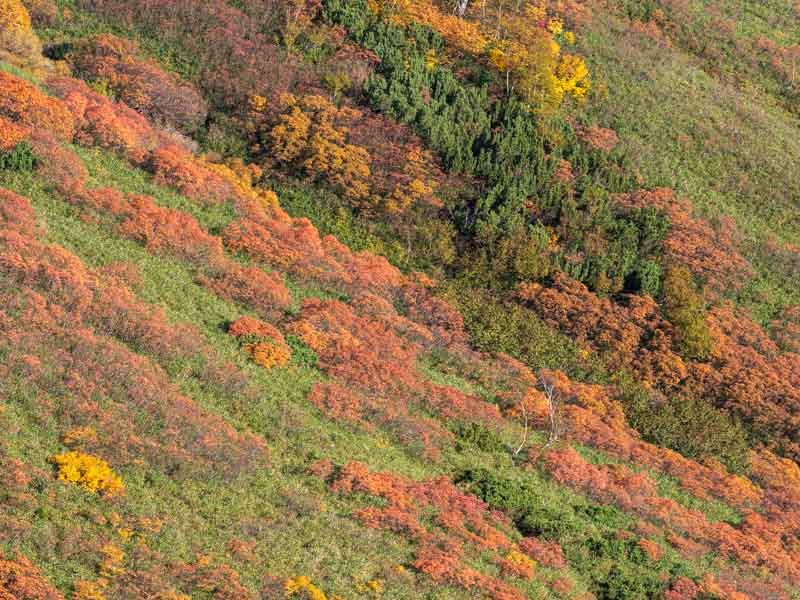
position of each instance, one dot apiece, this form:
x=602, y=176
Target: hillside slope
x=364, y=299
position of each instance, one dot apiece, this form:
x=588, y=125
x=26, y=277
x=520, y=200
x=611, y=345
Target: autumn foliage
x=19, y=45
x=445, y=524
x=26, y=105
x=709, y=253
x=89, y=472
x=51, y=289
x=21, y=580
x=111, y=63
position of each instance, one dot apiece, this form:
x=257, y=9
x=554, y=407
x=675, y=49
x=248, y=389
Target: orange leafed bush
x=269, y=354
x=11, y=134
x=248, y=326
x=101, y=122
x=26, y=105
x=20, y=580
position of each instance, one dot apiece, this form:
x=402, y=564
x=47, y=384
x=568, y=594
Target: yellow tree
x=312, y=135
x=19, y=45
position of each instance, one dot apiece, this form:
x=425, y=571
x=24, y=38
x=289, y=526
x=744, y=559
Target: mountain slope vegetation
x=339, y=299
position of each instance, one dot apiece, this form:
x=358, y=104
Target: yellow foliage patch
x=14, y=16
x=89, y=472
x=300, y=585
x=88, y=590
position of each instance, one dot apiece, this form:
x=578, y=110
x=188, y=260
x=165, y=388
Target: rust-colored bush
x=26, y=105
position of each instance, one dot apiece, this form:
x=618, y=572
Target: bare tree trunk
x=525, y=431
x=552, y=409
x=461, y=8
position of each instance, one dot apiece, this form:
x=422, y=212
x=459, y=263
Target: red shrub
x=598, y=138
x=16, y=213
x=682, y=589
x=754, y=543
x=58, y=342
x=248, y=326
x=57, y=165
x=250, y=286
x=548, y=554
x=141, y=84
x=634, y=334
x=168, y=230
x=104, y=123
x=460, y=523
x=340, y=403
x=707, y=252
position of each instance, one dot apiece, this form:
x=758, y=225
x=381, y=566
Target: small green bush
x=687, y=425
x=19, y=158
x=478, y=436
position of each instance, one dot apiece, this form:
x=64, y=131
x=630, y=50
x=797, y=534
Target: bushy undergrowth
x=417, y=382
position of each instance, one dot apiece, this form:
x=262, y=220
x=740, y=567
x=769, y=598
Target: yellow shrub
x=14, y=16
x=302, y=586
x=89, y=472
x=88, y=590
x=312, y=134
x=19, y=45
x=111, y=565
x=572, y=76
x=518, y=558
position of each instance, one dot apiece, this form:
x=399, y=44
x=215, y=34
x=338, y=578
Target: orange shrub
x=20, y=580
x=26, y=105
x=11, y=134
x=269, y=354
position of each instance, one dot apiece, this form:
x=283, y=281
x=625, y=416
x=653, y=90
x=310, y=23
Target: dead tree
x=553, y=398
x=553, y=402
x=461, y=8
